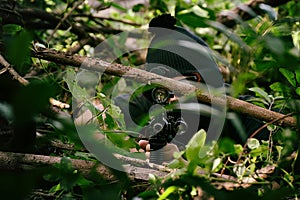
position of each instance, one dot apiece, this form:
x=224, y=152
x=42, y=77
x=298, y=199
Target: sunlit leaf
x=55, y=188
x=253, y=143
x=289, y=75
x=216, y=165
x=195, y=145
x=199, y=11
x=167, y=192
x=261, y=93
x=239, y=170
x=298, y=91
x=296, y=38
x=238, y=148
x=11, y=29
x=152, y=179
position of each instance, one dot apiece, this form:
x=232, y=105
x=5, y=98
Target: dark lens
x=160, y=95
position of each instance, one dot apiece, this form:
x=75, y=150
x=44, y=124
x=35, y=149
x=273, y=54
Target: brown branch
x=91, y=16
x=244, y=11
x=267, y=124
x=11, y=70
x=147, y=77
x=80, y=43
x=19, y=161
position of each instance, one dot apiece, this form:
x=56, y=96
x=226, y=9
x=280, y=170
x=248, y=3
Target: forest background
x=43, y=44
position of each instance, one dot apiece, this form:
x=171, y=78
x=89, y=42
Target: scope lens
x=160, y=95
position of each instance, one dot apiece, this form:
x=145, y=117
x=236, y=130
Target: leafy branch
x=179, y=87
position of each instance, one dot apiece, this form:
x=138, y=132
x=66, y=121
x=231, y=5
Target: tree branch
x=11, y=70
x=244, y=11
x=147, y=77
x=19, y=161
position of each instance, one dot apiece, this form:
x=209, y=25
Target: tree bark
x=150, y=78
x=19, y=161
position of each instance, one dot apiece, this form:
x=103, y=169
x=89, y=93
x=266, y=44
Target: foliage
x=261, y=56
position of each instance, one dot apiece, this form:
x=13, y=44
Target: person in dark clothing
x=176, y=53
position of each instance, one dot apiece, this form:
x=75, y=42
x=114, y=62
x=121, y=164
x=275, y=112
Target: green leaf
x=55, y=188
x=171, y=5
x=159, y=5
x=279, y=150
x=238, y=148
x=138, y=7
x=204, y=151
x=152, y=179
x=298, y=91
x=279, y=87
x=226, y=145
x=297, y=72
x=195, y=145
x=192, y=20
x=239, y=170
x=167, y=192
x=118, y=6
x=84, y=182
x=253, y=143
x=239, y=84
x=66, y=164
x=261, y=93
x=178, y=155
x=11, y=29
x=289, y=75
x=296, y=39
x=174, y=164
x=71, y=79
x=216, y=165
x=258, y=101
x=18, y=51
x=199, y=11
x=233, y=37
x=121, y=140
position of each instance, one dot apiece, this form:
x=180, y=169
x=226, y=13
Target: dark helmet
x=180, y=50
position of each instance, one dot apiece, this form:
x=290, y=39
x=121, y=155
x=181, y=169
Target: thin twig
x=64, y=18
x=267, y=124
x=11, y=70
x=261, y=128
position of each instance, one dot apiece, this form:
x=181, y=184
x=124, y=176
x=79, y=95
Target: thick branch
x=20, y=161
x=147, y=77
x=243, y=11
